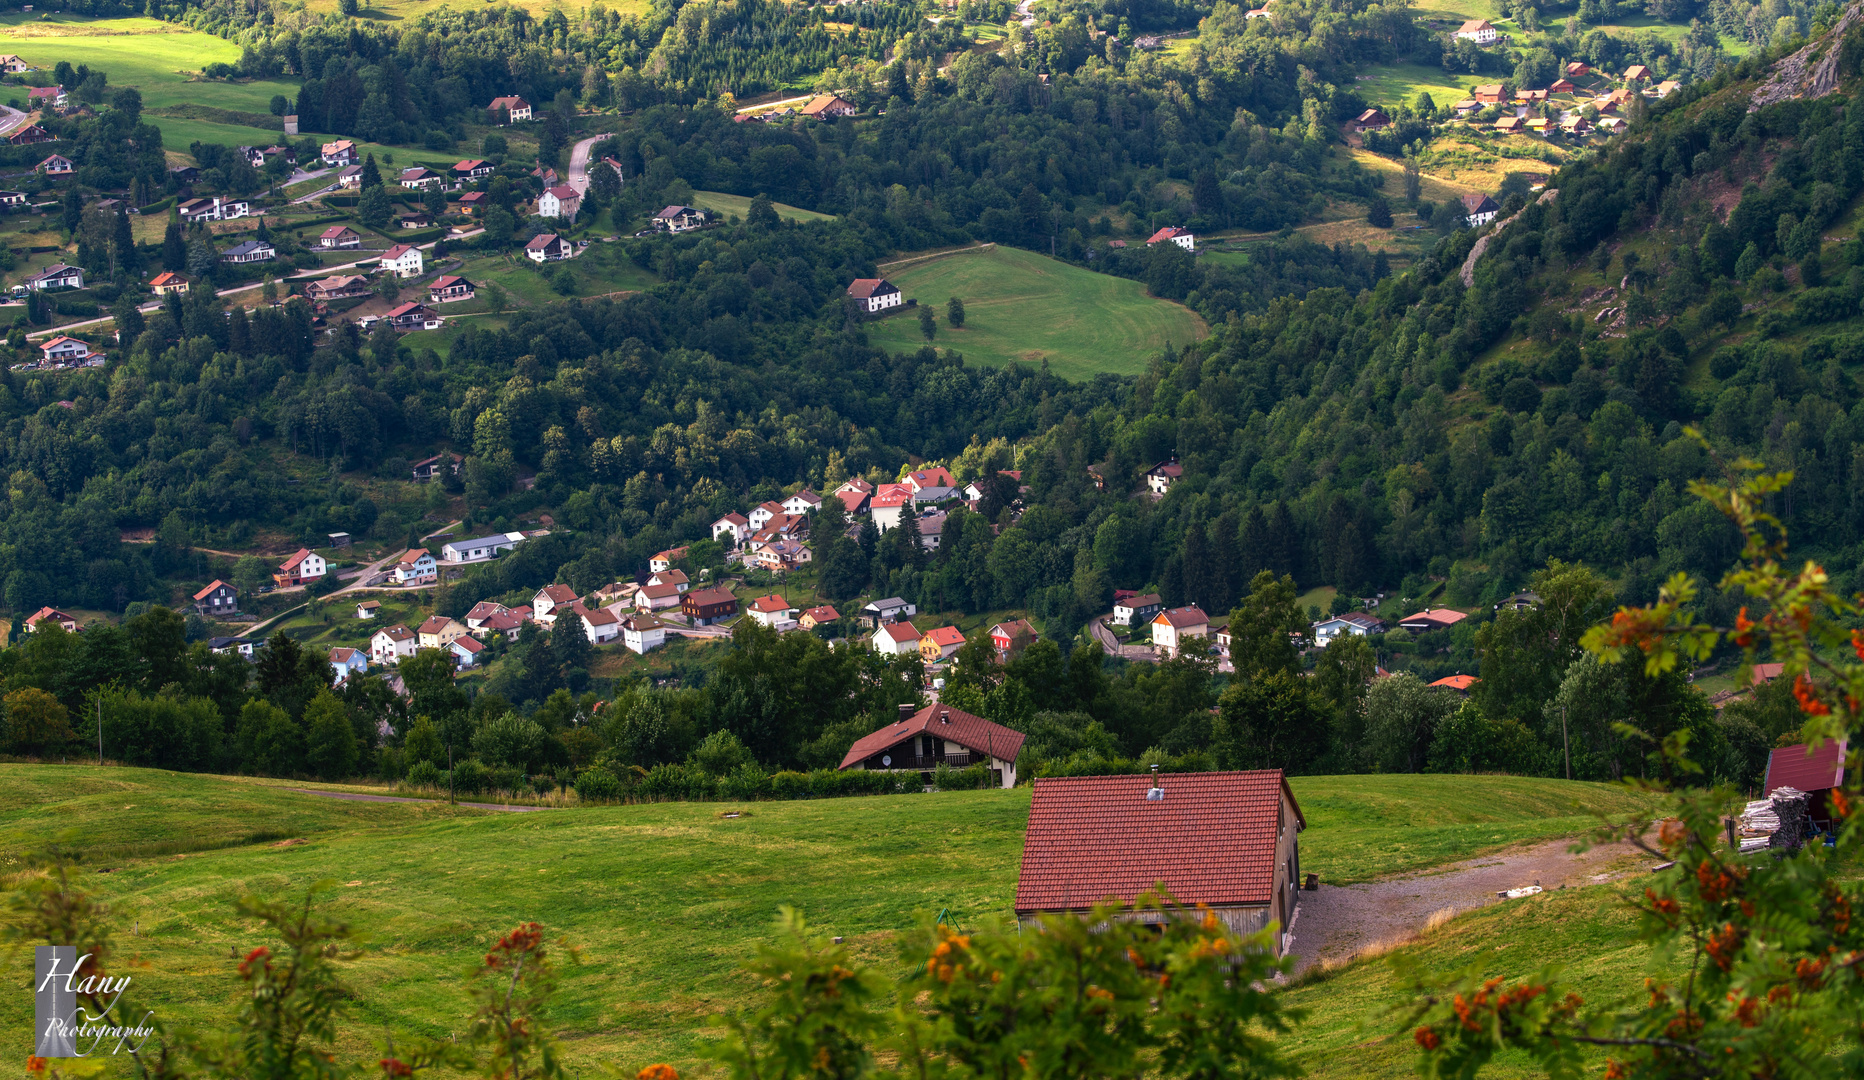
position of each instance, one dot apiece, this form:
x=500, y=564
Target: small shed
x=1817, y=772
x=339, y=539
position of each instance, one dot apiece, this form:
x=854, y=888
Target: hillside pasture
x=159, y=59
x=664, y=899
x=1028, y=308
x=720, y=203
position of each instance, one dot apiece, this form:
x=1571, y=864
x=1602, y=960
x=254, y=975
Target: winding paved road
x=579, y=163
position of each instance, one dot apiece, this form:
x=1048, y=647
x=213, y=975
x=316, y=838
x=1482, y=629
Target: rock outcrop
x=1802, y=76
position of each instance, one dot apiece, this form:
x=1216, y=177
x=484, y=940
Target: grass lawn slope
x=740, y=205
x=664, y=899
x=1026, y=307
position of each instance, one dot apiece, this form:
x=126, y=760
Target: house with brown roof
x=652, y=598
x=1011, y=638
x=216, y=600
x=642, y=633
x=1223, y=842
x=339, y=236
x=1479, y=209
x=829, y=105
x=1478, y=31
x=1636, y=73
x=449, y=288
x=337, y=287
x=1370, y=120
x=940, y=643
x=439, y=631
x=819, y=616
x=707, y=606
x=51, y=616
x=547, y=600
x=1172, y=234
x=1488, y=93
x=1137, y=609
x=1578, y=69
x=390, y=645
x=938, y=735
x=547, y=247
x=736, y=526
x=514, y=109
x=1510, y=123
x=435, y=467
x=1160, y=477
x=875, y=294
x=1174, y=628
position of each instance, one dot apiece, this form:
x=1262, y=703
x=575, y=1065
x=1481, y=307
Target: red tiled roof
x=709, y=597
x=1210, y=840
x=468, y=644
x=901, y=632
x=559, y=594
x=1437, y=617
x=1457, y=682
x=1790, y=766
x=864, y=288
x=771, y=603
x=435, y=624
x=1179, y=618
x=851, y=501
x=397, y=633
x=971, y=732
x=1766, y=673
x=211, y=586
x=945, y=635
x=292, y=563
x=822, y=614
x=659, y=592
x=1166, y=233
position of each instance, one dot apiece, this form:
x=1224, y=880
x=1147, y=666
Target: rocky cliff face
x=1812, y=71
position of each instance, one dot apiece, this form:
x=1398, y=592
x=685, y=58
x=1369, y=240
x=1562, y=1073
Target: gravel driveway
x=1336, y=921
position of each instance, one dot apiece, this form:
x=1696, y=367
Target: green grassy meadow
x=664, y=900
x=147, y=54
x=1028, y=308
x=1393, y=83
x=740, y=205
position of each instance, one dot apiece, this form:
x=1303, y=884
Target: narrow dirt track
x=354, y=796
x=1337, y=921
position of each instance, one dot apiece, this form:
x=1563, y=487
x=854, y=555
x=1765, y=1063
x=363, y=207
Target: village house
x=1465, y=107
x=818, y=617
x=940, y=644
x=547, y=247
x=803, y=502
x=736, y=526
x=896, y=639
x=1136, y=610
x=1459, y=683
x=64, y=350
x=1227, y=843
x=391, y=644
x=1575, y=125
x=937, y=735
x=1578, y=69
x=413, y=316
x=474, y=201
x=1561, y=86
x=1356, y=623
x=439, y=631
x=679, y=219
x=368, y=609
x=1637, y=73
x=1172, y=630
x=1478, y=31
x=429, y=468
x=12, y=198
x=779, y=556
x=888, y=504
x=403, y=259
x=303, y=567
x=547, y=600
x=1488, y=93
x=662, y=561
x=471, y=171
x=1431, y=619
x=545, y=175
x=600, y=624
x=1370, y=120
x=1819, y=774
x=651, y=598
x=1530, y=97
x=880, y=612
x=168, y=282
x=221, y=646
x=1479, y=209
x=39, y=97
x=217, y=599
x=514, y=109
x=349, y=177
x=345, y=662
x=56, y=165
x=561, y=202
x=938, y=477
x=479, y=549
x=1506, y=125
x=974, y=490
x=772, y=611
x=1010, y=638
x=30, y=134
x=339, y=287
x=875, y=294
x=669, y=576
x=465, y=651
x=56, y=276
x=1160, y=477
x=340, y=152
x=829, y=105
x=481, y=613
x=1174, y=235
x=53, y=617
x=1666, y=88
x=641, y=633
x=13, y=65
x=249, y=251
x=762, y=513
x=448, y=289
x=703, y=607
x=414, y=221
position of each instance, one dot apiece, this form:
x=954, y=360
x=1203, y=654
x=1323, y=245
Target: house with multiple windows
x=1136, y=610
x=439, y=631
x=56, y=276
x=679, y=219
x=1174, y=235
x=920, y=741
x=479, y=549
x=391, y=644
x=216, y=600
x=51, y=616
x=875, y=294
x=403, y=259
x=337, y=237
x=1173, y=629
x=415, y=566
x=471, y=171
x=561, y=202
x=1478, y=31
x=302, y=568
x=449, y=288
x=515, y=109
x=250, y=251
x=547, y=247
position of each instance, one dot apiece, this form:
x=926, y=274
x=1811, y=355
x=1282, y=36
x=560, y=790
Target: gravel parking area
x=1334, y=922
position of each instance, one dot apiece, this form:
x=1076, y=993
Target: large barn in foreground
x=1226, y=840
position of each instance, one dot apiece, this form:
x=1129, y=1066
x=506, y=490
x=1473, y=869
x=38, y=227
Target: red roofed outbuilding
x=1228, y=841
x=935, y=735
x=1816, y=774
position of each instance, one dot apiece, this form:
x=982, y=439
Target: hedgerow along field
x=664, y=900
x=1026, y=307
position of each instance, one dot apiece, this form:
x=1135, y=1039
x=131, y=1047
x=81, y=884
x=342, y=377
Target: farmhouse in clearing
x=1228, y=842
x=875, y=294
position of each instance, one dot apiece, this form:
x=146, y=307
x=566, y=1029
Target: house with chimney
x=642, y=633
x=547, y=600
x=1137, y=609
x=1226, y=843
x=392, y=644
x=940, y=644
x=703, y=607
x=772, y=611
x=919, y=741
x=439, y=631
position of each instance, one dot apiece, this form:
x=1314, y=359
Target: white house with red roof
x=1478, y=31
x=466, y=172
x=601, y=624
x=547, y=247
x=448, y=289
x=1160, y=477
x=938, y=735
x=391, y=644
x=51, y=616
x=875, y=294
x=762, y=513
x=339, y=236
x=662, y=561
x=515, y=108
x=303, y=567
x=561, y=201
x=63, y=350
x=888, y=503
x=896, y=639
x=773, y=611
x=548, y=599
x=736, y=526
x=403, y=259
x=1173, y=235
x=938, y=476
x=803, y=502
x=413, y=316
x=642, y=633
x=1225, y=842
x=651, y=598
x=1174, y=627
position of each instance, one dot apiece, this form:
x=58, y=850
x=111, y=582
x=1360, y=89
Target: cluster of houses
x=820, y=107
x=1172, y=629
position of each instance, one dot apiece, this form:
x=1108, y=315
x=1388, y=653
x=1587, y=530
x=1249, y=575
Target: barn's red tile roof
x=1210, y=840
x=956, y=725
x=1790, y=766
x=1457, y=682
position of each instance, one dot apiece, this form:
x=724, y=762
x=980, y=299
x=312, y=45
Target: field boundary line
x=971, y=250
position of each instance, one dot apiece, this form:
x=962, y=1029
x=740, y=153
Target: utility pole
x=1566, y=746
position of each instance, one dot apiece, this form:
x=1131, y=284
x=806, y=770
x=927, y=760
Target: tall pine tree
x=174, y=246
